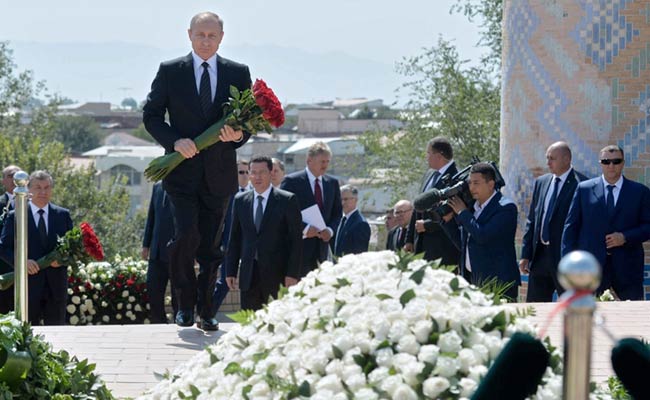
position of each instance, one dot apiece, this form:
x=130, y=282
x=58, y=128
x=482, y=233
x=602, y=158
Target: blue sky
x=380, y=31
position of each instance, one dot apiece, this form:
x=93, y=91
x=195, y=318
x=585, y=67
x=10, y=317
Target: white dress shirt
x=266, y=195
x=617, y=187
x=478, y=209
x=37, y=216
x=212, y=71
x=549, y=192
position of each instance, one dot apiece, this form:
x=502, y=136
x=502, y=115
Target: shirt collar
x=564, y=175
x=311, y=176
x=10, y=196
x=482, y=206
x=198, y=61
x=264, y=194
x=35, y=209
x=351, y=212
x=618, y=184
x=444, y=168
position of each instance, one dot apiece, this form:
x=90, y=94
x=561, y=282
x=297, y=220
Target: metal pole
x=579, y=273
x=20, y=245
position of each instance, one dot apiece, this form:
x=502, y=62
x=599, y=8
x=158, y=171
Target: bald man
x=552, y=194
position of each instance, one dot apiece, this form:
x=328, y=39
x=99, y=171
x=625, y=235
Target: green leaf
x=304, y=390
x=246, y=390
x=337, y=352
x=454, y=284
x=242, y=317
x=407, y=296
x=232, y=368
x=418, y=275
x=234, y=92
x=383, y=345
x=382, y=296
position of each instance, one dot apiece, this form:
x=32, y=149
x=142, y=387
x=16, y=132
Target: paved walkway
x=128, y=356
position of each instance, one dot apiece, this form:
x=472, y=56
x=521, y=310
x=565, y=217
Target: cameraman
x=487, y=232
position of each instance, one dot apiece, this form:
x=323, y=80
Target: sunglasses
x=243, y=172
x=615, y=161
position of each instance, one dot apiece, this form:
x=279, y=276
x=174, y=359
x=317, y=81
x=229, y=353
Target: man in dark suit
x=353, y=233
x=266, y=236
x=403, y=211
x=610, y=218
x=313, y=186
x=425, y=235
x=487, y=232
x=47, y=289
x=552, y=194
x=390, y=223
x=192, y=90
x=6, y=205
x=158, y=231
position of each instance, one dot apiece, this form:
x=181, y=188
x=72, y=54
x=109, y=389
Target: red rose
x=271, y=108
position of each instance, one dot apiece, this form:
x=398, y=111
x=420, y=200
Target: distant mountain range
x=113, y=71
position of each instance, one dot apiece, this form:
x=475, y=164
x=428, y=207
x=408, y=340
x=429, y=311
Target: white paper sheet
x=312, y=216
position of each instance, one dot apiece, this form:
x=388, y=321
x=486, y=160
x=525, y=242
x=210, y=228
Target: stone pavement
x=128, y=356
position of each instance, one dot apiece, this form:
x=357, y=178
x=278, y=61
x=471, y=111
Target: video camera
x=435, y=200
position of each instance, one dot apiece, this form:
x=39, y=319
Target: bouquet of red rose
x=251, y=110
x=79, y=244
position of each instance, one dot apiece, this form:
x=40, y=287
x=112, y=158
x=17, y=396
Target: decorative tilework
x=603, y=32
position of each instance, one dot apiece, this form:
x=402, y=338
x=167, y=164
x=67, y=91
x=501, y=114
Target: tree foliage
x=77, y=133
x=488, y=14
x=446, y=97
x=28, y=139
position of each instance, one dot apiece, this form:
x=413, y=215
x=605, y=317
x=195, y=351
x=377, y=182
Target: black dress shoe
x=209, y=324
x=185, y=318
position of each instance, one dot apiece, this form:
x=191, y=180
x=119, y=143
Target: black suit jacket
x=159, y=229
x=278, y=245
x=354, y=236
x=314, y=249
x=5, y=206
x=58, y=223
x=534, y=223
x=174, y=91
x=434, y=242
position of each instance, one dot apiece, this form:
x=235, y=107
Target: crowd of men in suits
x=608, y=216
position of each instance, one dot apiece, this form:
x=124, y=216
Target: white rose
x=404, y=392
x=428, y=353
x=450, y=342
x=408, y=344
x=81, y=289
x=384, y=357
x=466, y=359
x=129, y=306
x=70, y=291
x=74, y=320
x=146, y=321
x=71, y=308
x=366, y=394
x=131, y=299
x=106, y=318
x=477, y=372
x=446, y=367
x=422, y=330
x=433, y=387
x=137, y=308
x=481, y=353
x=89, y=304
x=467, y=387
x=120, y=306
x=104, y=304
x=329, y=382
x=83, y=308
x=75, y=299
x=118, y=316
x=125, y=293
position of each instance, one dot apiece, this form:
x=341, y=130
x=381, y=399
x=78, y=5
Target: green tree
x=446, y=97
x=130, y=102
x=488, y=14
x=141, y=132
x=32, y=145
x=77, y=133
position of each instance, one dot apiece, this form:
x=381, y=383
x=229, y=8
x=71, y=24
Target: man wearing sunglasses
x=610, y=218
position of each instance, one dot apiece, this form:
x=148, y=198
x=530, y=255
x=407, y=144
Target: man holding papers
x=321, y=192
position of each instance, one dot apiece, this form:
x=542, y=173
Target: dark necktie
x=205, y=91
x=42, y=230
x=338, y=235
x=318, y=194
x=610, y=199
x=400, y=238
x=546, y=230
x=241, y=189
x=259, y=213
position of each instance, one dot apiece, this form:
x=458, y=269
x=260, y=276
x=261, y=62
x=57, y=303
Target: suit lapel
x=427, y=178
x=189, y=82
x=51, y=234
x=223, y=90
x=622, y=197
x=599, y=194
x=490, y=208
x=248, y=214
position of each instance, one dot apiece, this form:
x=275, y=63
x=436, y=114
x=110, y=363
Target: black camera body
x=457, y=185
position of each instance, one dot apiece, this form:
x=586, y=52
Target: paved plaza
x=129, y=356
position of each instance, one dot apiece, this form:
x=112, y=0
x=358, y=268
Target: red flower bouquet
x=252, y=110
x=79, y=244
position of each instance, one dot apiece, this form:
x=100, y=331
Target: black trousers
x=625, y=291
x=157, y=277
x=6, y=296
x=258, y=293
x=198, y=223
x=542, y=279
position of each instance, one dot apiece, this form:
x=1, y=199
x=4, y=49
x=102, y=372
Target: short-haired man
x=278, y=172
x=353, y=233
x=552, y=194
x=48, y=289
x=487, y=232
x=186, y=97
x=425, y=235
x=610, y=218
x=313, y=186
x=6, y=205
x=403, y=210
x=265, y=244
